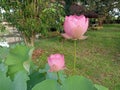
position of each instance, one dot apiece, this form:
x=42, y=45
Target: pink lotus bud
x=75, y=27
x=56, y=62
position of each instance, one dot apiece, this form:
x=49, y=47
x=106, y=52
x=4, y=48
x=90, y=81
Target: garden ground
x=98, y=57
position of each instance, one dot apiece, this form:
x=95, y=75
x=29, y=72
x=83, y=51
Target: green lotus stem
x=59, y=81
x=74, y=55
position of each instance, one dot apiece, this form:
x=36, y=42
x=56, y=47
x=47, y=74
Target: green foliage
x=71, y=83
x=2, y=32
x=100, y=87
x=3, y=68
x=47, y=85
x=16, y=59
x=77, y=83
x=2, y=28
x=35, y=78
x=5, y=82
x=53, y=16
x=20, y=81
x=18, y=55
x=33, y=17
x=3, y=53
x=53, y=75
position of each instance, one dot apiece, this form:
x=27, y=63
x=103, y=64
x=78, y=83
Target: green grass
x=98, y=57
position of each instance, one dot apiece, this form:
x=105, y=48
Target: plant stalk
x=74, y=55
x=59, y=81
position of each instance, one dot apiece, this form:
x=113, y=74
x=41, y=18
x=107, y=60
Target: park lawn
x=98, y=57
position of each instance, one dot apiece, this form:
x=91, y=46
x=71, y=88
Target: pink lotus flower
x=75, y=27
x=56, y=62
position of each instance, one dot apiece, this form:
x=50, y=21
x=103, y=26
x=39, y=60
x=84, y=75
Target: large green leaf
x=35, y=78
x=78, y=83
x=16, y=58
x=20, y=81
x=13, y=69
x=5, y=82
x=47, y=85
x=17, y=55
x=3, y=68
x=100, y=87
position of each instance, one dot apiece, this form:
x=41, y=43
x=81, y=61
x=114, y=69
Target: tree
x=24, y=16
x=30, y=17
x=90, y=7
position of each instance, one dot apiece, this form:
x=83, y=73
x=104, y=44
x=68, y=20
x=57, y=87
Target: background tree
x=92, y=8
x=31, y=17
x=102, y=8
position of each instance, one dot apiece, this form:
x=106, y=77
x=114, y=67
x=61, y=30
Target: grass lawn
x=98, y=57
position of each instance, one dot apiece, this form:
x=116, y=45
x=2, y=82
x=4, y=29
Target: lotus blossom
x=56, y=62
x=75, y=27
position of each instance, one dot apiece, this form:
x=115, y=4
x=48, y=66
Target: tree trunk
x=29, y=41
x=100, y=20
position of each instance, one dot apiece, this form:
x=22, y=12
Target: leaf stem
x=74, y=55
x=59, y=81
